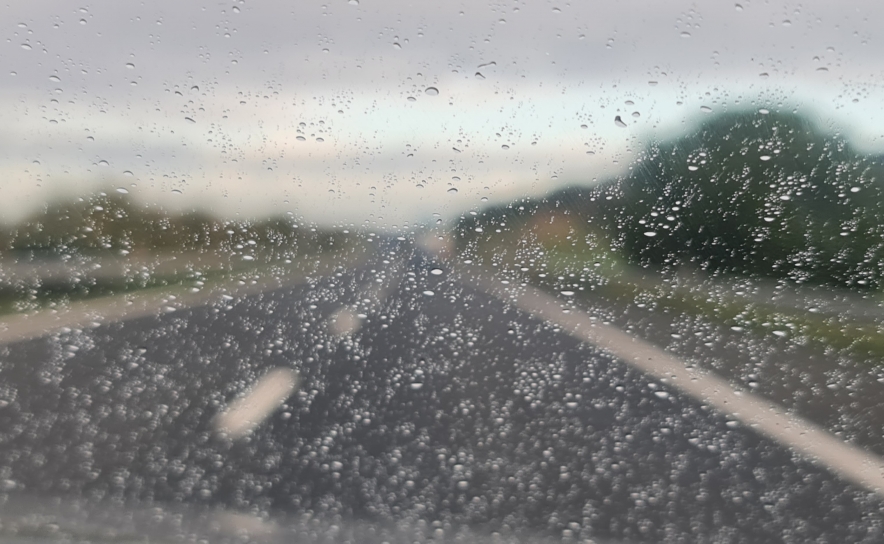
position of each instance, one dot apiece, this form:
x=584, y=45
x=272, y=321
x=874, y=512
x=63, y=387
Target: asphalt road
x=422, y=401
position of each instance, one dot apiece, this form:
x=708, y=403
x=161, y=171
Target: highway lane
x=433, y=404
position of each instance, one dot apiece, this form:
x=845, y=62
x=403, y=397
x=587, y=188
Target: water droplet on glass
x=693, y=168
x=763, y=111
x=128, y=173
x=54, y=78
x=176, y=191
x=619, y=122
x=452, y=191
x=479, y=75
x=320, y=140
x=82, y=21
x=685, y=34
x=411, y=99
x=787, y=22
x=301, y=138
x=26, y=46
x=428, y=293
x=661, y=394
x=705, y=109
x=189, y=120
x=636, y=114
x=102, y=163
x=650, y=234
x=122, y=190
x=568, y=293
x=130, y=65
x=436, y=272
x=235, y=9
x=652, y=83
x=765, y=157
x=432, y=91
x=504, y=146
x=738, y=7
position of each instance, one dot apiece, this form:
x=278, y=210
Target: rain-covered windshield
x=383, y=272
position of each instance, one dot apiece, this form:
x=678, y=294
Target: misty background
x=395, y=114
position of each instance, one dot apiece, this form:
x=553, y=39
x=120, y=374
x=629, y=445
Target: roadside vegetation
x=748, y=196
x=108, y=244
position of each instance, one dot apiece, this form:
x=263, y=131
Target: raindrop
x=705, y=109
x=436, y=272
x=176, y=191
x=102, y=163
x=122, y=190
x=504, y=146
x=636, y=114
x=652, y=83
x=26, y=46
x=452, y=191
x=189, y=120
x=128, y=173
x=693, y=168
x=82, y=21
x=428, y=293
x=661, y=394
x=396, y=45
x=685, y=34
x=765, y=157
x=195, y=89
x=432, y=91
x=301, y=138
x=650, y=234
x=411, y=99
x=787, y=22
x=738, y=7
x=479, y=75
x=130, y=65
x=568, y=293
x=763, y=111
x=619, y=122
x=54, y=78
x=415, y=386
x=235, y=9
x=320, y=140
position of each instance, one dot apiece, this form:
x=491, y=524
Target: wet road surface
x=421, y=400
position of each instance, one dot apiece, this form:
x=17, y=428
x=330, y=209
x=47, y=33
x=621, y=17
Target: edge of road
x=132, y=305
x=803, y=437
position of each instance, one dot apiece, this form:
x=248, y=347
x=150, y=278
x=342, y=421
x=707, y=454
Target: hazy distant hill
x=112, y=223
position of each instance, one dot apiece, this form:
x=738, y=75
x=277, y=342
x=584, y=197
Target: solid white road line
x=92, y=313
x=803, y=437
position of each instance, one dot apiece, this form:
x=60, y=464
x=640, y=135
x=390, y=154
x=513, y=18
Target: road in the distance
x=441, y=408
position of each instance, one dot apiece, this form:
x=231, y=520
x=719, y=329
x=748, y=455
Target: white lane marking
x=805, y=438
x=344, y=322
x=93, y=313
x=248, y=411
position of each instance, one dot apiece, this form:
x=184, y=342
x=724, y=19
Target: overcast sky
x=323, y=108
